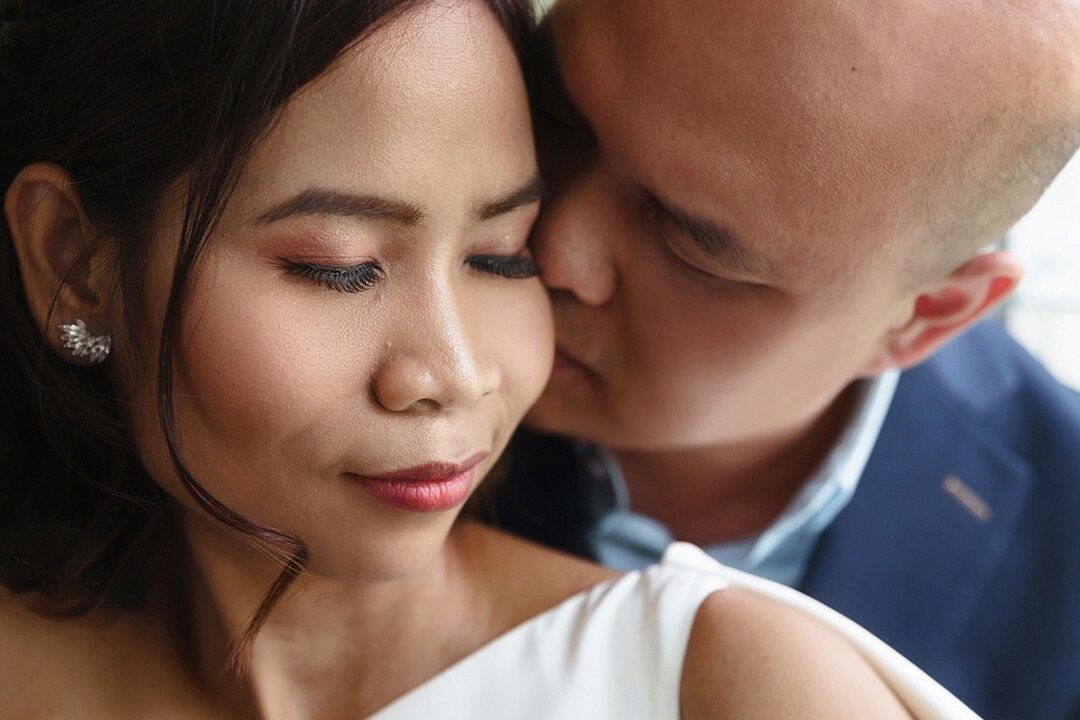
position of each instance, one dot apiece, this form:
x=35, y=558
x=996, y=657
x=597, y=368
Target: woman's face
x=367, y=306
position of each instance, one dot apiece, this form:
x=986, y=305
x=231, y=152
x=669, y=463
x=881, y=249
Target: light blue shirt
x=625, y=540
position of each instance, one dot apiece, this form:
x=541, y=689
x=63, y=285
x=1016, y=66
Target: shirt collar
x=782, y=551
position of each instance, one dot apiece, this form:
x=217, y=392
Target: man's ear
x=59, y=259
x=947, y=308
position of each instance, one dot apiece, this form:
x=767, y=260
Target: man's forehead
x=801, y=73
x=793, y=107
x=690, y=103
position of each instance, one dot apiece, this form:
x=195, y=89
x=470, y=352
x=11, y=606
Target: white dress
x=616, y=651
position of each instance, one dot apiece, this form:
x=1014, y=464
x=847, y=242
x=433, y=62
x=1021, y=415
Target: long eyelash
x=516, y=267
x=350, y=279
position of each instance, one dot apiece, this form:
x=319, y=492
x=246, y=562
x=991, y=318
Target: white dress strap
x=614, y=652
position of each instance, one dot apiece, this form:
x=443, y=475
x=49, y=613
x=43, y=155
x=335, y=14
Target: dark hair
x=128, y=96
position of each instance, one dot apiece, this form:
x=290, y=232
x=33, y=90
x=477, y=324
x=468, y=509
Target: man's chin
x=553, y=414
x=545, y=416
x=570, y=414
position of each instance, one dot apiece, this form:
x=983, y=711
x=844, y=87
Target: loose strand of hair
x=201, y=216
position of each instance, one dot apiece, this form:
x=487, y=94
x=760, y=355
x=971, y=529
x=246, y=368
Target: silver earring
x=82, y=344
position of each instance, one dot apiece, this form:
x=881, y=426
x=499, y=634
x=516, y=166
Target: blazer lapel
x=934, y=512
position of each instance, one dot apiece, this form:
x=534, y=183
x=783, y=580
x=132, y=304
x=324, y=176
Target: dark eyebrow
x=534, y=190
x=717, y=241
x=326, y=202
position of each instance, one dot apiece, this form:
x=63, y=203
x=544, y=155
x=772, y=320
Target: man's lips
x=564, y=361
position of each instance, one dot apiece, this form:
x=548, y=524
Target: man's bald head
x=939, y=120
x=761, y=202
x=1010, y=114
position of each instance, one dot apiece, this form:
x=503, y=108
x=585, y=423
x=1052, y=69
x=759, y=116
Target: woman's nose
x=437, y=366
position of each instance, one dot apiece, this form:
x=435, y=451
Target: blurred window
x=1044, y=314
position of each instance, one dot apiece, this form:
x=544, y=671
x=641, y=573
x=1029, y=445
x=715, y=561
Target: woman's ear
x=947, y=308
x=61, y=262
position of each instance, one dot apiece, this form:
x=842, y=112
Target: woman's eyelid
x=342, y=278
x=509, y=247
x=328, y=262
x=520, y=266
x=509, y=239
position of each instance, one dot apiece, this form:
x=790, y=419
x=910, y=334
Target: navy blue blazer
x=961, y=546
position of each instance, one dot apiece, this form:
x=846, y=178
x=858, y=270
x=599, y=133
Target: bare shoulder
x=88, y=667
x=749, y=657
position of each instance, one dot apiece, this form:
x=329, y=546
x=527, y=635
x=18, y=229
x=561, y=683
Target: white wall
x=1044, y=314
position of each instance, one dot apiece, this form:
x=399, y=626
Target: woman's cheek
x=526, y=344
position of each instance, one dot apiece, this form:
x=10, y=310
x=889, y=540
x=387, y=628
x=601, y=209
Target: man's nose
x=435, y=364
x=573, y=241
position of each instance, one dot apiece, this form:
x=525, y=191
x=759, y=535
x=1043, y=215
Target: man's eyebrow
x=326, y=202
x=534, y=190
x=718, y=241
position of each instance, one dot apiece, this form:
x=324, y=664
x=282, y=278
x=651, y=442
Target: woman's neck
x=329, y=648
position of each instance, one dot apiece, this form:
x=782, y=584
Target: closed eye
x=511, y=267
x=348, y=279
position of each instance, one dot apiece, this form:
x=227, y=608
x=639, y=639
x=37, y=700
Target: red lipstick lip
x=431, y=472
x=425, y=488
